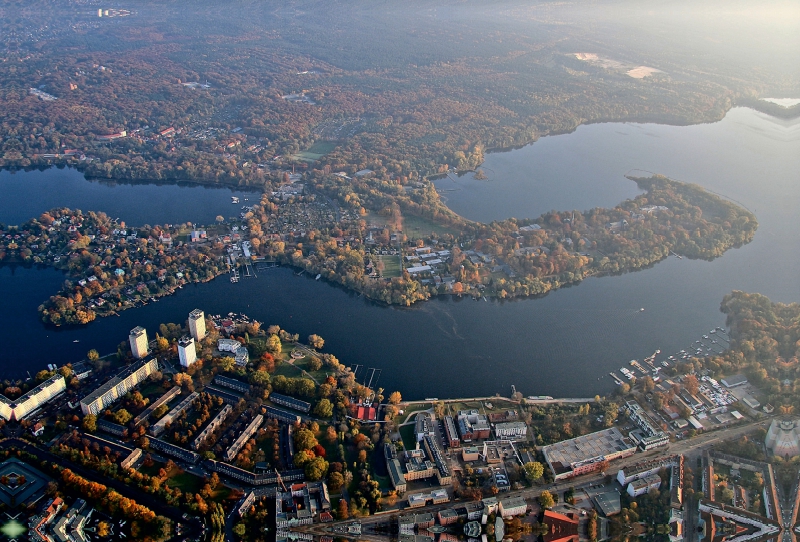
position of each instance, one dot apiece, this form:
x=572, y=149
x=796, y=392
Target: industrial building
x=641, y=486
x=511, y=430
x=301, y=503
x=585, y=454
x=394, y=468
x=451, y=432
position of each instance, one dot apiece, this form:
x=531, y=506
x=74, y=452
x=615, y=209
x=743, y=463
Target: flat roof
x=119, y=377
x=593, y=445
x=735, y=380
x=608, y=503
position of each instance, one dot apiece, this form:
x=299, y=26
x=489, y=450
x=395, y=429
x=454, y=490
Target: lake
x=563, y=344
x=27, y=194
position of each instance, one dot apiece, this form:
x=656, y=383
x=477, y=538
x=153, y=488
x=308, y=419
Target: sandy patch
x=642, y=71
x=595, y=60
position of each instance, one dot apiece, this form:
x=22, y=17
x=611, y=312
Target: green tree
x=239, y=529
x=260, y=378
x=227, y=364
x=274, y=346
x=533, y=470
x=324, y=409
x=316, y=469
x=314, y=363
x=89, y=423
x=122, y=416
x=691, y=384
x=162, y=344
x=546, y=499
x=304, y=439
x=335, y=481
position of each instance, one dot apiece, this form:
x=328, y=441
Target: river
x=563, y=344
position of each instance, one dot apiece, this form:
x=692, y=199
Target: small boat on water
x=76, y=341
x=234, y=200
x=319, y=276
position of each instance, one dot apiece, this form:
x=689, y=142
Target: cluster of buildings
x=161, y=425
x=57, y=523
x=713, y=398
x=241, y=440
x=236, y=348
x=649, y=435
x=300, y=504
x=644, y=476
x=468, y=512
x=471, y=425
x=732, y=521
x=425, y=260
x=427, y=461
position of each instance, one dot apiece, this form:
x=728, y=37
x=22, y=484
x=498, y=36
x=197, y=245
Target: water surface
x=563, y=344
x=28, y=194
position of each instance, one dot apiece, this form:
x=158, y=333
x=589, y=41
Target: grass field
x=317, y=151
x=409, y=439
x=392, y=266
x=417, y=227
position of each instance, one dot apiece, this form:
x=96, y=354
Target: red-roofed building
x=364, y=413
x=560, y=527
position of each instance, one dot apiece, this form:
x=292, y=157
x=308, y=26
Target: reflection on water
x=29, y=194
x=562, y=344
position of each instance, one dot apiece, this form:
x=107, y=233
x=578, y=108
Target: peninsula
x=113, y=267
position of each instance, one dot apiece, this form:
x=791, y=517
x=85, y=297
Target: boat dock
x=616, y=379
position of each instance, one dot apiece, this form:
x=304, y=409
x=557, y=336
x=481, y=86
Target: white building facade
x=138, y=340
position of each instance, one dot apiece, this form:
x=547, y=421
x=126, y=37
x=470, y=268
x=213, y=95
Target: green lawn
x=417, y=227
x=409, y=438
x=185, y=481
x=392, y=266
x=316, y=151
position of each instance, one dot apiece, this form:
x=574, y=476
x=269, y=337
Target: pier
x=508, y=399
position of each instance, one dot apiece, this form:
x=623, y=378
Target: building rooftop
x=120, y=376
x=594, y=445
x=608, y=503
